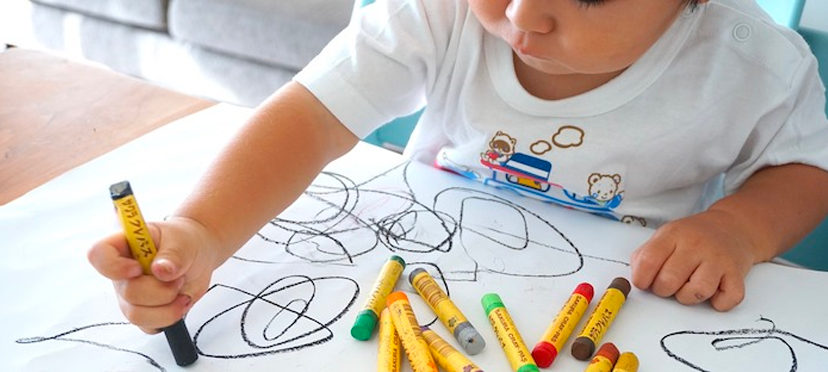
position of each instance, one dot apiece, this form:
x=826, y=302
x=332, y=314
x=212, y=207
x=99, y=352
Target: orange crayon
x=388, y=353
x=412, y=339
x=604, y=360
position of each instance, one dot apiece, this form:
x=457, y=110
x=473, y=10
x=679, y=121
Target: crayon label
x=438, y=301
x=137, y=233
x=415, y=346
x=510, y=340
x=388, y=356
x=599, y=364
x=384, y=284
x=603, y=315
x=565, y=322
x=447, y=356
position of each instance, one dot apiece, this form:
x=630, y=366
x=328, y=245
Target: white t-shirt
x=723, y=93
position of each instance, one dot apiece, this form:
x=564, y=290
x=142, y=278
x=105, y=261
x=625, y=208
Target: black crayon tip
x=181, y=344
x=120, y=190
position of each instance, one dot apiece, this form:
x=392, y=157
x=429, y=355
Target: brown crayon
x=602, y=316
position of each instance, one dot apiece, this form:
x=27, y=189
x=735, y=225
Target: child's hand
x=181, y=270
x=701, y=257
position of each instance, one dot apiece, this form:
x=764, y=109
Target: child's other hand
x=701, y=257
x=181, y=270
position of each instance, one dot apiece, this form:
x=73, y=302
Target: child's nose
x=530, y=16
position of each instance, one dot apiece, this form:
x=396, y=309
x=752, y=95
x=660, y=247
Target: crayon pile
x=400, y=331
x=607, y=359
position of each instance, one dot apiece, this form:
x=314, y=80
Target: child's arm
x=708, y=255
x=270, y=162
x=265, y=168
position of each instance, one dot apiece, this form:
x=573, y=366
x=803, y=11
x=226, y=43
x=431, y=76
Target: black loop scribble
x=400, y=226
x=288, y=313
x=736, y=339
x=62, y=337
x=495, y=236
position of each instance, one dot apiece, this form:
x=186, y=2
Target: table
x=56, y=114
x=287, y=299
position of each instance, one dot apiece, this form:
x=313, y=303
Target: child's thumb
x=172, y=260
x=168, y=266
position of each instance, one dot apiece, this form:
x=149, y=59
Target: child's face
x=578, y=36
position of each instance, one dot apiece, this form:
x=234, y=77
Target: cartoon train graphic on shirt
x=526, y=174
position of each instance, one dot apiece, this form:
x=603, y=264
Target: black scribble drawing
x=747, y=345
x=77, y=336
x=353, y=219
x=289, y=314
x=458, y=233
x=375, y=217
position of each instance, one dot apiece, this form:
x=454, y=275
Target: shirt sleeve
x=800, y=137
x=380, y=66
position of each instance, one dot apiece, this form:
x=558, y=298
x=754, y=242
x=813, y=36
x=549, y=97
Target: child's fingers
x=150, y=331
x=647, y=260
x=118, y=241
x=674, y=273
x=730, y=293
x=149, y=318
x=146, y=290
x=112, y=259
x=702, y=285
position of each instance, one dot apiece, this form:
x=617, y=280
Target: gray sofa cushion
x=150, y=14
x=154, y=56
x=282, y=32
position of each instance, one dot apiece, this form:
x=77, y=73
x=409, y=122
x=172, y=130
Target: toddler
x=701, y=118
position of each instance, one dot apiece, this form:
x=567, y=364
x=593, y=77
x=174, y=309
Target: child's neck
x=556, y=87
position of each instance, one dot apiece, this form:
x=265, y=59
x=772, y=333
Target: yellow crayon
x=504, y=328
x=445, y=355
x=447, y=311
x=601, y=318
x=627, y=362
x=136, y=230
x=413, y=342
x=144, y=250
x=604, y=359
x=366, y=320
x=388, y=355
x=555, y=337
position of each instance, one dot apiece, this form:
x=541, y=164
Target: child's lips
x=533, y=49
x=524, y=46
x=520, y=43
x=523, y=51
x=529, y=54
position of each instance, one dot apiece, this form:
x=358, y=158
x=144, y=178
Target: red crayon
x=555, y=337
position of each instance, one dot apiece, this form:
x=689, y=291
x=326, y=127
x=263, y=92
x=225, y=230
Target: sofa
x=236, y=51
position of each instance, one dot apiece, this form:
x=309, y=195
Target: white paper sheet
x=287, y=300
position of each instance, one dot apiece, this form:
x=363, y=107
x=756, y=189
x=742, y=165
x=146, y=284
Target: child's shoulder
x=744, y=29
x=430, y=12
